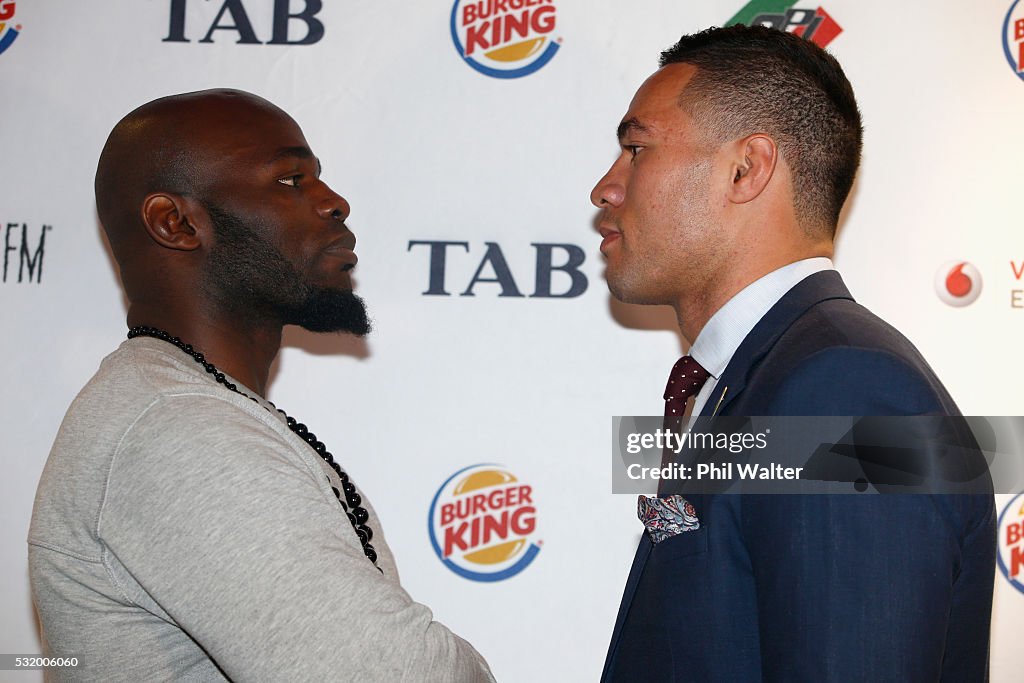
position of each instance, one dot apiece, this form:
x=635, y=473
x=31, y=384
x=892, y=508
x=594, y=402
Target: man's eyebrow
x=631, y=125
x=297, y=152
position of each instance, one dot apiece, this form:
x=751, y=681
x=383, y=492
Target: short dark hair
x=754, y=79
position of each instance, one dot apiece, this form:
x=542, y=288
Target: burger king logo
x=483, y=523
x=1013, y=38
x=1011, y=542
x=505, y=38
x=8, y=31
x=958, y=283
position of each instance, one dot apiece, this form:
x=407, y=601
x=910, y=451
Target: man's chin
x=633, y=295
x=334, y=311
x=620, y=291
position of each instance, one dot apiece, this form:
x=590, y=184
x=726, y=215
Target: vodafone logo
x=958, y=283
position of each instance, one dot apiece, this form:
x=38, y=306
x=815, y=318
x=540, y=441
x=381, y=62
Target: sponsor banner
x=483, y=523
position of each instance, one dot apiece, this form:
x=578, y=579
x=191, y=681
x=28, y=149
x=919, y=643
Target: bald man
x=184, y=527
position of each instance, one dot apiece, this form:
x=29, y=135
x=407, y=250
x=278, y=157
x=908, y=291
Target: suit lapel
x=810, y=291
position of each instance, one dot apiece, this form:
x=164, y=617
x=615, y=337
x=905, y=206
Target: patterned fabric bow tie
x=666, y=517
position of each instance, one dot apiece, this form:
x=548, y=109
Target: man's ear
x=752, y=168
x=169, y=220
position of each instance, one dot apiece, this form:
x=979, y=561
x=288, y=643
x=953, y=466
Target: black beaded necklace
x=357, y=515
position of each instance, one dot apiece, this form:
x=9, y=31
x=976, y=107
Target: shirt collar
x=728, y=327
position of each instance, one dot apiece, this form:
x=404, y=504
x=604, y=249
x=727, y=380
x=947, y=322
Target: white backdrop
x=427, y=148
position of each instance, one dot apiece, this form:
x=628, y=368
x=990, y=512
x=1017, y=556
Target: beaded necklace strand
x=357, y=514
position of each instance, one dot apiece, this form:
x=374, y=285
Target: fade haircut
x=754, y=79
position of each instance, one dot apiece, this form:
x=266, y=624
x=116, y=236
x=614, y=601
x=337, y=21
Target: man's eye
x=632, y=149
x=292, y=180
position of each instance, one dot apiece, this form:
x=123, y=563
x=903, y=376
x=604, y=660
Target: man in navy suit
x=736, y=158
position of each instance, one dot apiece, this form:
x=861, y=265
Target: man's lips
x=343, y=249
x=609, y=234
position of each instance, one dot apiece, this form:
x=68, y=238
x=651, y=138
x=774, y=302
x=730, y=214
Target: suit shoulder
x=845, y=323
x=838, y=358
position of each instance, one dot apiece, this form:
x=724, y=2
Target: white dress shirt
x=729, y=326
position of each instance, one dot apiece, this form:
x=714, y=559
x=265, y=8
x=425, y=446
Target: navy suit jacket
x=816, y=588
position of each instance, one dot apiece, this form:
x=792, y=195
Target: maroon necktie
x=686, y=379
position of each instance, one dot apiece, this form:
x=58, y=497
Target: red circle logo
x=958, y=283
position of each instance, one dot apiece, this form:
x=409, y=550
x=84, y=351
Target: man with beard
x=184, y=528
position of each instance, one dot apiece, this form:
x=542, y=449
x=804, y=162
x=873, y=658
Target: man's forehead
x=656, y=104
x=259, y=135
x=665, y=85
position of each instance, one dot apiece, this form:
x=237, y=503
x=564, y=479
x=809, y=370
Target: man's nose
x=333, y=205
x=608, y=191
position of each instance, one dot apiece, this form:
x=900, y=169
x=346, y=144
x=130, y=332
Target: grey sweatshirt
x=182, y=532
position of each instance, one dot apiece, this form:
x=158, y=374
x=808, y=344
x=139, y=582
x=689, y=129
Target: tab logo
x=8, y=31
x=505, y=38
x=483, y=523
x=1013, y=38
x=233, y=19
x=813, y=24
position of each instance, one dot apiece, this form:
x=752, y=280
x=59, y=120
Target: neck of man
x=693, y=311
x=241, y=348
